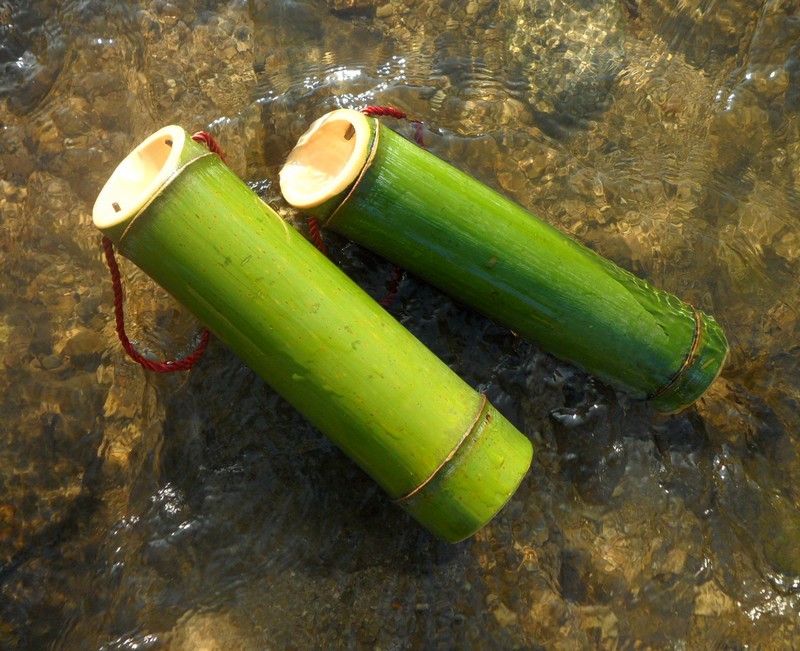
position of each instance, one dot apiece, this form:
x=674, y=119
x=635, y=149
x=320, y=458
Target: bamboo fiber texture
x=434, y=444
x=447, y=228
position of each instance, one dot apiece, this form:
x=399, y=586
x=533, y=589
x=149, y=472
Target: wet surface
x=147, y=512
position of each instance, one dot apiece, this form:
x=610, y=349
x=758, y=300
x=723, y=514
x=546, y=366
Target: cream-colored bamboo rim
x=138, y=177
x=327, y=159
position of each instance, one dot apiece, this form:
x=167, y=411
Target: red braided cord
x=167, y=366
x=391, y=112
x=316, y=235
x=418, y=133
x=205, y=138
x=394, y=287
x=160, y=367
x=384, y=112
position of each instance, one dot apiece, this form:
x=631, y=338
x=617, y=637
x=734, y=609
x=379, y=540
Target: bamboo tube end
x=138, y=177
x=327, y=159
x=700, y=369
x=467, y=492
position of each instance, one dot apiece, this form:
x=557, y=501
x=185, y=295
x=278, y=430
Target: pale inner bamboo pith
x=326, y=160
x=136, y=178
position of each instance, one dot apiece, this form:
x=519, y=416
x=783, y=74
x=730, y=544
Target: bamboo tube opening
x=327, y=158
x=138, y=176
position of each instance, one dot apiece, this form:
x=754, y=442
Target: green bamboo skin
x=433, y=443
x=454, y=232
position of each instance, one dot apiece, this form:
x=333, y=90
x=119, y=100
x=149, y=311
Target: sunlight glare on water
x=201, y=511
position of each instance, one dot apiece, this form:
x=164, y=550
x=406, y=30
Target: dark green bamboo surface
x=463, y=237
x=326, y=346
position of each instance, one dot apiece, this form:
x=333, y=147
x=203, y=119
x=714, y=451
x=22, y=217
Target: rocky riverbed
x=200, y=511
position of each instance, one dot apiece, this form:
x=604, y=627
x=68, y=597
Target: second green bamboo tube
x=384, y=192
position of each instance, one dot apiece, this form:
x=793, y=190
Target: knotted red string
x=167, y=366
x=394, y=287
x=391, y=112
x=316, y=235
x=205, y=138
x=384, y=112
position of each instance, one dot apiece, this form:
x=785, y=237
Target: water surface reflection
x=148, y=512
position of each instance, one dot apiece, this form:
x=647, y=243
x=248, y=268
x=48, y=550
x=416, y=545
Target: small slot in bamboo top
x=138, y=177
x=327, y=158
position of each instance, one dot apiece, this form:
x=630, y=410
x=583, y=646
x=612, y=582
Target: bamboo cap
x=327, y=158
x=137, y=178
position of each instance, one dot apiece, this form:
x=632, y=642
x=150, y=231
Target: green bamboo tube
x=434, y=444
x=363, y=180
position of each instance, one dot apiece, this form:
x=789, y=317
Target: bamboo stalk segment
x=428, y=217
x=434, y=444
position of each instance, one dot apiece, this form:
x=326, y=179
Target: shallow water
x=201, y=512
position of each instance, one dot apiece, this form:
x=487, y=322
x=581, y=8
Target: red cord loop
x=384, y=112
x=316, y=235
x=391, y=112
x=313, y=222
x=168, y=366
x=394, y=287
x=205, y=138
